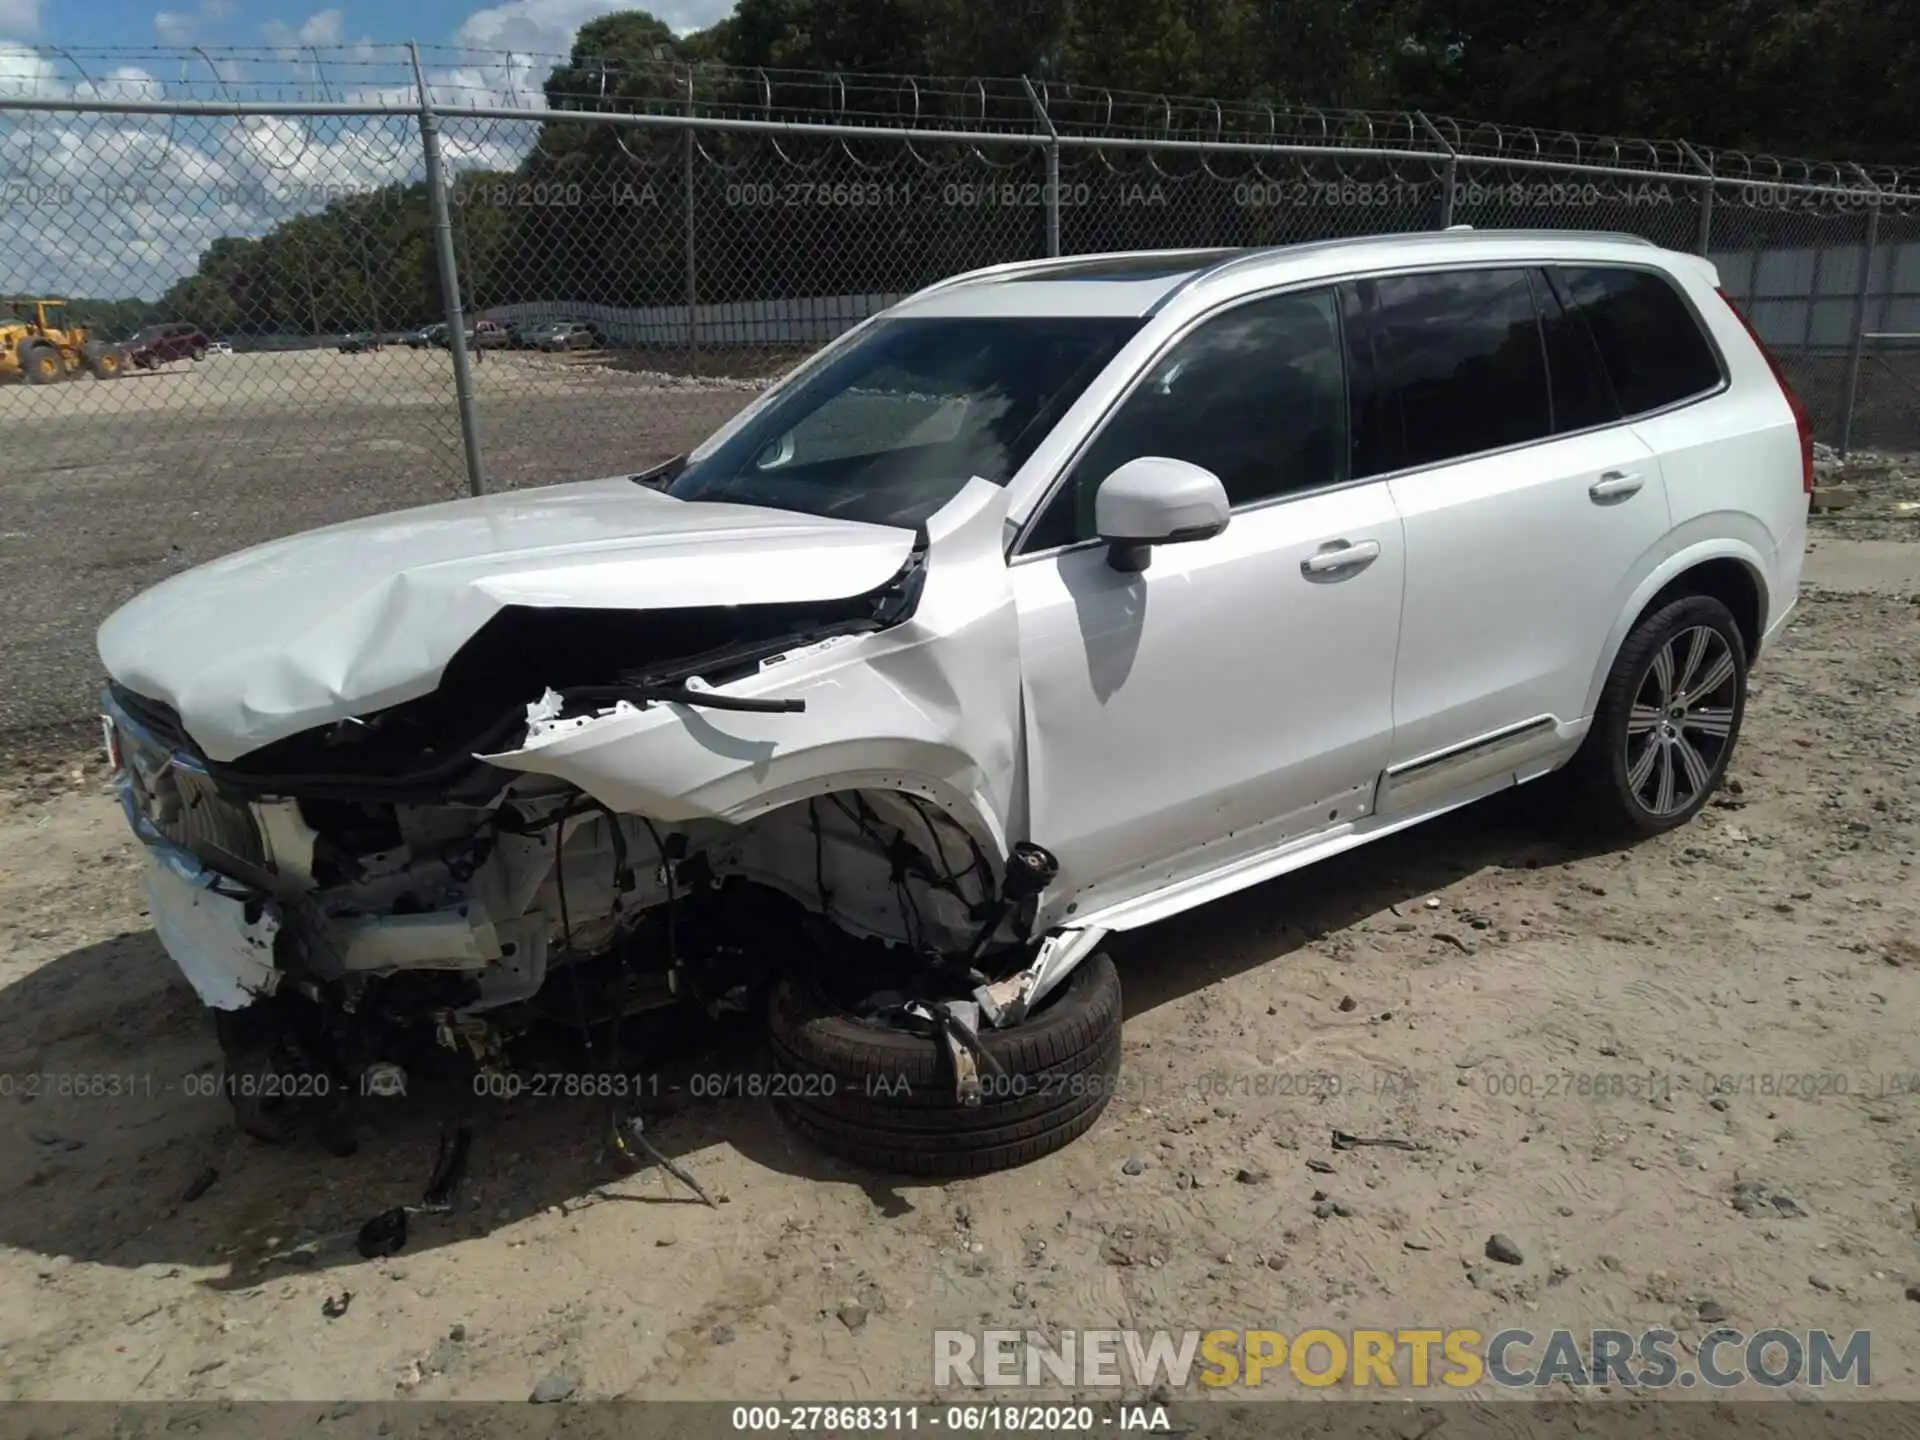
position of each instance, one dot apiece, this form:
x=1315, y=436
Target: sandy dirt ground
x=1598, y=1054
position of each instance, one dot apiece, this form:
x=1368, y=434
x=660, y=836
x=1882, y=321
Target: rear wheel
x=104, y=362
x=885, y=1097
x=1668, y=719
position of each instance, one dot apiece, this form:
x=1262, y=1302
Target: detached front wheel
x=885, y=1097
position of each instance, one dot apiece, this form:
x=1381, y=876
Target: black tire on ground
x=104, y=362
x=41, y=363
x=884, y=1098
x=1636, y=748
x=199, y=353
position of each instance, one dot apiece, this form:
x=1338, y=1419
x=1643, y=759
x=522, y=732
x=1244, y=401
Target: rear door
x=1530, y=513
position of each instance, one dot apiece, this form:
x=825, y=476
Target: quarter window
x=1647, y=335
x=1256, y=395
x=1459, y=355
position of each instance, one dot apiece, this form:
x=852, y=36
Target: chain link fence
x=303, y=286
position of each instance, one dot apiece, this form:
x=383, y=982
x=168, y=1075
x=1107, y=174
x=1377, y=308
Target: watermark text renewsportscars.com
x=1406, y=1358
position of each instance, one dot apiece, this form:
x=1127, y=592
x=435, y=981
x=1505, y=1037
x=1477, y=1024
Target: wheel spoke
x=1715, y=720
x=1663, y=802
x=1641, y=719
x=1643, y=767
x=1717, y=674
x=1663, y=675
x=1698, y=771
x=1698, y=639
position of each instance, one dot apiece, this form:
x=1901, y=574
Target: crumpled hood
x=271, y=641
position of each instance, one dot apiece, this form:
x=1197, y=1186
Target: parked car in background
x=1054, y=601
x=565, y=335
x=219, y=347
x=426, y=337
x=359, y=341
x=157, y=345
x=491, y=335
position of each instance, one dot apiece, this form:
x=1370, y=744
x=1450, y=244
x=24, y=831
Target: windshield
x=893, y=428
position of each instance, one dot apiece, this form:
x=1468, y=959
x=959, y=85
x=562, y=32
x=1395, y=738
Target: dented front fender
x=930, y=706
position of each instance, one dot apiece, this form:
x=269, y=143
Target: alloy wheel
x=1682, y=720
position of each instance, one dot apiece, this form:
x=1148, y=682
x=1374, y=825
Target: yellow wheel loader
x=40, y=351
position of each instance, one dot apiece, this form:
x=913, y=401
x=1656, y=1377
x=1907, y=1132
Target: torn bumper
x=219, y=932
x=222, y=942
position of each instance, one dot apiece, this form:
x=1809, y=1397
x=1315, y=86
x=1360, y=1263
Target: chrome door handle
x=1616, y=485
x=1339, y=557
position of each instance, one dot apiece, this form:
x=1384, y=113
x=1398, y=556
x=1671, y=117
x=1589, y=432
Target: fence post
x=1857, y=344
x=693, y=326
x=449, y=277
x=1450, y=176
x=1706, y=196
x=1053, y=168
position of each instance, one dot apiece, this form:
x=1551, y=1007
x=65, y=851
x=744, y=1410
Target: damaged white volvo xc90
x=1053, y=601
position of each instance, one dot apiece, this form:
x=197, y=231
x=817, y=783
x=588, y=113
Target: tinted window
x=1647, y=336
x=893, y=427
x=1460, y=355
x=1582, y=395
x=1256, y=395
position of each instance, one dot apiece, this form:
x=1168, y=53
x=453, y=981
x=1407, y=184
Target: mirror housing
x=1156, y=500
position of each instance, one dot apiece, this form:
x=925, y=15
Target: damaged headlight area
x=355, y=897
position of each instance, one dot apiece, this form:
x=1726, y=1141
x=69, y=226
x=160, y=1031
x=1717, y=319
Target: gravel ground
x=1606, y=1055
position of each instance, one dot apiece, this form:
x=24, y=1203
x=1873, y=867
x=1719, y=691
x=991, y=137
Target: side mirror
x=1156, y=501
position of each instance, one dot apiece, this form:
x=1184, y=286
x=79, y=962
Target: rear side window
x=1459, y=356
x=1648, y=337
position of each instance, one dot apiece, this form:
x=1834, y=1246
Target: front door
x=1238, y=692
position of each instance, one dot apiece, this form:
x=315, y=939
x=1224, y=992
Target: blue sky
x=151, y=193
x=540, y=25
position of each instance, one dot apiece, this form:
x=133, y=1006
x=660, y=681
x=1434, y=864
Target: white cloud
x=25, y=73
x=321, y=28
x=547, y=27
x=125, y=82
x=19, y=17
x=177, y=27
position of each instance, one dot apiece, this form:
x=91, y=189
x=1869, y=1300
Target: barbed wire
x=460, y=77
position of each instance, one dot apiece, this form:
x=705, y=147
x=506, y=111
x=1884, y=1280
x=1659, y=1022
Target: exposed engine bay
x=453, y=869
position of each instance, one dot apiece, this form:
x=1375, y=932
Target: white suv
x=1053, y=601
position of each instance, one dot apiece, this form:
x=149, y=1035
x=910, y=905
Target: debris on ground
x=1343, y=1141
x=1758, y=1200
x=552, y=1388
x=1501, y=1248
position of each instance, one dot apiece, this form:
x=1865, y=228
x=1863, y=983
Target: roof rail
x=1451, y=235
